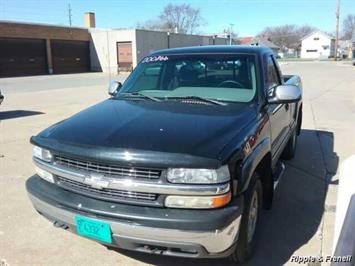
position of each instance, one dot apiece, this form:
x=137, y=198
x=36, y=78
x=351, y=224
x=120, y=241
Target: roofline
x=104, y=29
x=159, y=31
x=315, y=31
x=41, y=24
x=214, y=49
x=261, y=39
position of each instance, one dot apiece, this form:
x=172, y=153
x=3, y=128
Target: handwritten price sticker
x=158, y=58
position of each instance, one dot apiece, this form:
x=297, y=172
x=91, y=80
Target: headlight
x=42, y=154
x=44, y=174
x=198, y=202
x=198, y=176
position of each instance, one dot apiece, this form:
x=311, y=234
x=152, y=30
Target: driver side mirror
x=285, y=94
x=114, y=88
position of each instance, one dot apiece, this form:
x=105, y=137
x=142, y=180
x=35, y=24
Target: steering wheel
x=231, y=84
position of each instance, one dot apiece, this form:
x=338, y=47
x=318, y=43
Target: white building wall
x=103, y=48
x=317, y=46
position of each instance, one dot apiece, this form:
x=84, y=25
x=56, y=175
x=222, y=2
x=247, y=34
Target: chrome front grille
x=110, y=194
x=79, y=177
x=109, y=170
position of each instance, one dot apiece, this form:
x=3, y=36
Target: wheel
x=249, y=223
x=290, y=149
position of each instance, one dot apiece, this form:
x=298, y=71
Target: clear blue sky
x=248, y=16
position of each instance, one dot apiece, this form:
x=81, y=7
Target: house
x=259, y=41
x=317, y=45
x=345, y=48
x=245, y=40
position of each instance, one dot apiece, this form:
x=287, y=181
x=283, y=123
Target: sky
x=248, y=16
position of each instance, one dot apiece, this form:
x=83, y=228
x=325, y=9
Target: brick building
x=35, y=49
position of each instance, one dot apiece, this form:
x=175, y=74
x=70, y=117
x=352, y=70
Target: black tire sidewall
x=294, y=142
x=244, y=249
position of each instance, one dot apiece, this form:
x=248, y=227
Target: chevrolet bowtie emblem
x=98, y=181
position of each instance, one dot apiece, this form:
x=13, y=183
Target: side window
x=272, y=76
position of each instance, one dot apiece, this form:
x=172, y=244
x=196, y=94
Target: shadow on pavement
x=297, y=211
x=17, y=113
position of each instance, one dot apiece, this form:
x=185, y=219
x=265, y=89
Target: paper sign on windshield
x=158, y=58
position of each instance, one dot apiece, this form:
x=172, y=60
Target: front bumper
x=176, y=232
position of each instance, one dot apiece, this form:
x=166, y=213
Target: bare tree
x=348, y=27
x=153, y=25
x=286, y=36
x=303, y=31
x=175, y=18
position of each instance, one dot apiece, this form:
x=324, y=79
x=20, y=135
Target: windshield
x=229, y=78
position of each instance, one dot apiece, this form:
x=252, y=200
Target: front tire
x=249, y=223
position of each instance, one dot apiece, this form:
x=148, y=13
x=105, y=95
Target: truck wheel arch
x=260, y=161
x=265, y=175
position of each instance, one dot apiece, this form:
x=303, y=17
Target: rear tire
x=250, y=220
x=290, y=149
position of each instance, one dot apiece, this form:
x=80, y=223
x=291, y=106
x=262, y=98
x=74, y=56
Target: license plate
x=93, y=229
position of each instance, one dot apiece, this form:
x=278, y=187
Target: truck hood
x=172, y=127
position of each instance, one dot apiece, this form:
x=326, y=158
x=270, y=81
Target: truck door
x=279, y=113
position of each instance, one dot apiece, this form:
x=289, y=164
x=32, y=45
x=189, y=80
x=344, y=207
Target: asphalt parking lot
x=300, y=223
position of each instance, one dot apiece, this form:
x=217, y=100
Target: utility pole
x=337, y=30
x=69, y=14
x=230, y=33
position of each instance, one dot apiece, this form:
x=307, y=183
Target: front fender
x=250, y=163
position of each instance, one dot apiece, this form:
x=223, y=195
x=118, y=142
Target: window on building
x=316, y=39
x=311, y=51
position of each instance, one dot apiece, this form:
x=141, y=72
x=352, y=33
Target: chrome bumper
x=213, y=242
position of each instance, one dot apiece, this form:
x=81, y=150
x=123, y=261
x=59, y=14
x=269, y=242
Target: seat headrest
x=188, y=73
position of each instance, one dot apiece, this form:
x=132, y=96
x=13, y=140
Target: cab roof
x=215, y=49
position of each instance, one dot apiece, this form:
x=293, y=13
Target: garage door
x=124, y=55
x=22, y=57
x=70, y=56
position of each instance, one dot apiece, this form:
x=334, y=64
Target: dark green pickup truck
x=180, y=159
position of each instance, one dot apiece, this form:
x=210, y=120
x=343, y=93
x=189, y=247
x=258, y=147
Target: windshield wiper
x=216, y=102
x=139, y=94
